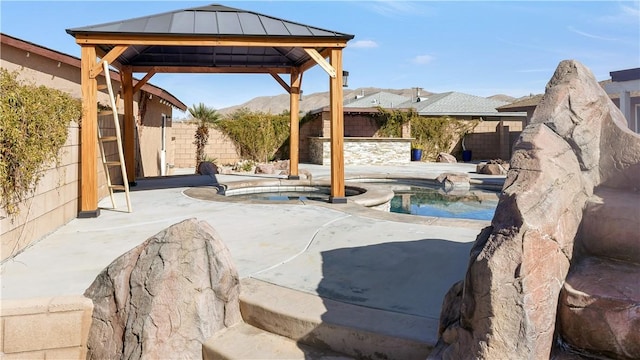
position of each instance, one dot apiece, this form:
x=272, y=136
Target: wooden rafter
x=212, y=70
x=125, y=39
x=286, y=87
x=324, y=64
x=112, y=55
x=143, y=81
x=311, y=62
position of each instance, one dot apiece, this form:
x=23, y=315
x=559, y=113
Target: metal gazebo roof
x=217, y=21
x=207, y=39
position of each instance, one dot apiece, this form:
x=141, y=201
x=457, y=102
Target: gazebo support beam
x=337, y=130
x=129, y=126
x=282, y=83
x=294, y=112
x=142, y=82
x=88, y=136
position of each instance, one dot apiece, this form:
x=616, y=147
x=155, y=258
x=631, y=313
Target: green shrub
x=438, y=134
x=258, y=135
x=390, y=122
x=34, y=123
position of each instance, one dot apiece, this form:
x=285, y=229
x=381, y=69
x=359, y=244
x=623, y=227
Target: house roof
x=382, y=98
x=74, y=61
x=220, y=22
x=522, y=104
x=455, y=103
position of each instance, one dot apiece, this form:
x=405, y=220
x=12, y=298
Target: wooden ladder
x=118, y=139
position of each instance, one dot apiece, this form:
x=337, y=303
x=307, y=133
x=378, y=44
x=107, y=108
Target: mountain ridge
x=276, y=104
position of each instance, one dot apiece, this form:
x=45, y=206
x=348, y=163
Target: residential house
x=623, y=89
x=492, y=138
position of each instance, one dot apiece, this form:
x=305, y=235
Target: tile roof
x=382, y=98
x=455, y=103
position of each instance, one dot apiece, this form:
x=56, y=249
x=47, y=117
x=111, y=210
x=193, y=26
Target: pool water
x=425, y=201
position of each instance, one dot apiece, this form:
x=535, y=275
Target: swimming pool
x=477, y=204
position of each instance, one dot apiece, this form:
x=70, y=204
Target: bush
x=258, y=135
x=439, y=134
x=34, y=122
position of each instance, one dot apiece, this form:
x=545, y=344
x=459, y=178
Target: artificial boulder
x=165, y=297
x=207, y=168
x=506, y=307
x=493, y=167
x=446, y=158
x=450, y=182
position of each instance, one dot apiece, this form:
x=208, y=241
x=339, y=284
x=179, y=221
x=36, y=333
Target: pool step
x=243, y=341
x=326, y=324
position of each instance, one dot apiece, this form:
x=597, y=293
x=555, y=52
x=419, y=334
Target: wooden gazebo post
x=337, y=129
x=88, y=136
x=294, y=110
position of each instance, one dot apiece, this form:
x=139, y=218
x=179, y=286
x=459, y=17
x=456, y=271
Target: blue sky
x=476, y=47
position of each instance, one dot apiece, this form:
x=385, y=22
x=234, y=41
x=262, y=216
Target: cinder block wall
x=219, y=146
x=488, y=139
x=45, y=328
x=55, y=199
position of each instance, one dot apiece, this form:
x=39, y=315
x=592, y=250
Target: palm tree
x=204, y=116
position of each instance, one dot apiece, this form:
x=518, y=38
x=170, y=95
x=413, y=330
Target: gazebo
x=208, y=39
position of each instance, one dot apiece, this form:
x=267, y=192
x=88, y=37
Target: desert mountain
x=279, y=103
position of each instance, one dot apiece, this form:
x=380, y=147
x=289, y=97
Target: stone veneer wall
x=45, y=328
x=363, y=151
x=181, y=141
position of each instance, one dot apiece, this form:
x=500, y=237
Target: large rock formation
x=506, y=307
x=165, y=297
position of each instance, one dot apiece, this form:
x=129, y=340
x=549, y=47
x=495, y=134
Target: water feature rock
x=493, y=167
x=165, y=297
x=577, y=140
x=602, y=295
x=458, y=182
x=446, y=158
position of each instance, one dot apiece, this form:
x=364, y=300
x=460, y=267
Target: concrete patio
x=343, y=253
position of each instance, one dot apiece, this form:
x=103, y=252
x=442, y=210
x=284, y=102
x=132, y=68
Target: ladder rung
x=112, y=163
x=102, y=86
x=117, y=187
x=108, y=138
x=105, y=112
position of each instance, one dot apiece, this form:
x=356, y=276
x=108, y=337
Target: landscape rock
x=165, y=297
x=446, y=158
x=454, y=182
x=493, y=167
x=576, y=141
x=265, y=169
x=602, y=295
x=207, y=168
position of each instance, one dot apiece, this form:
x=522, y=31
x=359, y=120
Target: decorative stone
x=165, y=297
x=454, y=181
x=493, y=167
x=446, y=158
x=600, y=308
x=577, y=140
x=265, y=169
x=207, y=168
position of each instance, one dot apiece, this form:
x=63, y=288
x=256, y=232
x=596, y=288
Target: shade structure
x=207, y=39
